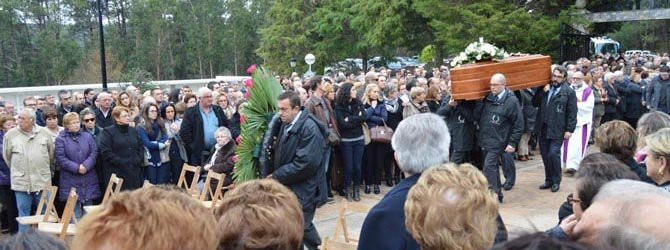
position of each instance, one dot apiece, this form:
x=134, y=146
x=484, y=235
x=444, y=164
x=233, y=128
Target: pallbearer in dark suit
x=556, y=120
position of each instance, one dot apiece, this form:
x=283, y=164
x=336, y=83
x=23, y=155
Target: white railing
x=16, y=95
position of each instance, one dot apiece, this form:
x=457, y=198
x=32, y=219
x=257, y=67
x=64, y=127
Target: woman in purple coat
x=75, y=153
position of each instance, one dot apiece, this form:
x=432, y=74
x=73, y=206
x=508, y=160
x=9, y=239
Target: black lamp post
x=103, y=64
x=293, y=62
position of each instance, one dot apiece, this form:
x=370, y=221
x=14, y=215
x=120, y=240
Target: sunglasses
x=89, y=120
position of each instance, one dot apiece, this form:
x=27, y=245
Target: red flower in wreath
x=246, y=95
x=248, y=83
x=238, y=139
x=243, y=119
x=251, y=69
x=235, y=158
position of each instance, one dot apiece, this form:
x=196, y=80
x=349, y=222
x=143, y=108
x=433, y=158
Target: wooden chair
x=191, y=188
x=49, y=214
x=64, y=228
x=217, y=193
x=331, y=244
x=341, y=225
x=113, y=187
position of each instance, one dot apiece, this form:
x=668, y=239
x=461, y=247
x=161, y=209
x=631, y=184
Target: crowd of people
x=343, y=134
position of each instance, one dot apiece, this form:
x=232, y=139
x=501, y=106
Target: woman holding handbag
x=154, y=137
x=373, y=157
x=349, y=113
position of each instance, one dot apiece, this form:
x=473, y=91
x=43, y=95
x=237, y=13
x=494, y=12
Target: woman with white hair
x=223, y=158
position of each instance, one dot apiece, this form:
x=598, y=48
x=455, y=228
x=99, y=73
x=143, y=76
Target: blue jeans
x=24, y=203
x=158, y=174
x=352, y=158
x=78, y=208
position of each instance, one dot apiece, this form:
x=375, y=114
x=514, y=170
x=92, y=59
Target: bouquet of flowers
x=479, y=51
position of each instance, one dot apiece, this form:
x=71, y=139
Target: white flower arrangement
x=478, y=51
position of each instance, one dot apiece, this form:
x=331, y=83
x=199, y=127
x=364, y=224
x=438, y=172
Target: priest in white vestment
x=574, y=148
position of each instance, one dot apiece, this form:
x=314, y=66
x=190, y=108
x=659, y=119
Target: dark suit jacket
x=193, y=134
x=384, y=226
x=612, y=97
x=561, y=111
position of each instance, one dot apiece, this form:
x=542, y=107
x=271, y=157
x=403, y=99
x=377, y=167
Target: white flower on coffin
x=477, y=51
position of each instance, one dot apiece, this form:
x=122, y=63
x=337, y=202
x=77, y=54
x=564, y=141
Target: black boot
x=349, y=193
x=357, y=193
x=367, y=189
x=376, y=189
x=389, y=182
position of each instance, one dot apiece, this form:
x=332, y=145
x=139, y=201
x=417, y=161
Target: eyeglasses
x=89, y=120
x=555, y=76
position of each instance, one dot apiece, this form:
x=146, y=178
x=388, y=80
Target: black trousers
x=550, y=149
x=9, y=212
x=311, y=238
x=460, y=157
x=491, y=172
x=373, y=162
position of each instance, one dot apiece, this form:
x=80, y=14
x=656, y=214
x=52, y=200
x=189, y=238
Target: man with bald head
x=573, y=149
x=500, y=128
x=556, y=121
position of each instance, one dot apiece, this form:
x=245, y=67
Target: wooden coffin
x=471, y=82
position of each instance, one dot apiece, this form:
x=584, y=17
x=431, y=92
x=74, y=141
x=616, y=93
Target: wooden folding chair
x=191, y=188
x=113, y=187
x=64, y=228
x=331, y=244
x=47, y=198
x=217, y=193
x=341, y=225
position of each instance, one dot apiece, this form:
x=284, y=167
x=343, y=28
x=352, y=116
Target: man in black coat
x=613, y=99
x=556, y=120
x=298, y=159
x=500, y=128
x=461, y=123
x=65, y=106
x=199, y=125
x=103, y=112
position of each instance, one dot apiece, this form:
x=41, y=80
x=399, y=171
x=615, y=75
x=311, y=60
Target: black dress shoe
x=367, y=189
x=546, y=185
x=508, y=185
x=389, y=182
x=376, y=189
x=500, y=198
x=555, y=188
x=570, y=172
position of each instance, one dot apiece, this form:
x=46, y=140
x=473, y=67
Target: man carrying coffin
x=556, y=120
x=574, y=148
x=500, y=128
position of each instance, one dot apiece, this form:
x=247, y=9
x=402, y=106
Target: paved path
x=525, y=209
